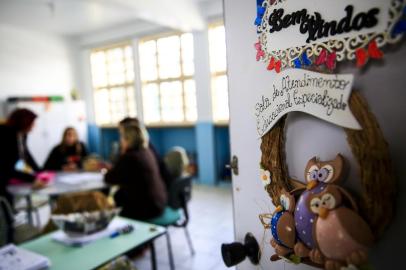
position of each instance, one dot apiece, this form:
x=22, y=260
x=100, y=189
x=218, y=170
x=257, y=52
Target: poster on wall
x=299, y=34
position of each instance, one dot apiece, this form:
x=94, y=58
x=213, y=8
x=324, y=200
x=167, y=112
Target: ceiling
x=77, y=17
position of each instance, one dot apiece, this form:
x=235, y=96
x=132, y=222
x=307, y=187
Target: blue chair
x=176, y=213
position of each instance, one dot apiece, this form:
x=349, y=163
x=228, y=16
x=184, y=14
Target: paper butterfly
x=260, y=52
x=275, y=65
x=328, y=59
x=305, y=60
x=373, y=52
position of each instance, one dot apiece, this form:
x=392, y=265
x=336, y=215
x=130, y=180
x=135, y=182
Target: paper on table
x=63, y=238
x=79, y=178
x=16, y=258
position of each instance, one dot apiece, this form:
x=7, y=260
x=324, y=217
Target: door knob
x=236, y=252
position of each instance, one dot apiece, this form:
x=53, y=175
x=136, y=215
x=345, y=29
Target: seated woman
x=68, y=155
x=141, y=193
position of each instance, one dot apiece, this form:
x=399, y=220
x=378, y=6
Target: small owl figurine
x=342, y=236
x=283, y=225
x=318, y=175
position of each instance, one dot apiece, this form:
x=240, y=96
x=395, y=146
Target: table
x=60, y=186
x=96, y=253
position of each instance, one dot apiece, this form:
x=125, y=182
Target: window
x=168, y=87
x=113, y=83
x=218, y=69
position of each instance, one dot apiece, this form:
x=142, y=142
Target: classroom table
x=99, y=252
x=60, y=185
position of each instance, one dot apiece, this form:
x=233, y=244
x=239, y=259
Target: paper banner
x=324, y=96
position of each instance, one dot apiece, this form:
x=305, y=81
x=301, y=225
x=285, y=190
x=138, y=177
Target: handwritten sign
x=321, y=95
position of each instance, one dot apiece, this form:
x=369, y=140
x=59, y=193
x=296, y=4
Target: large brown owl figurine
x=341, y=235
x=318, y=175
x=283, y=225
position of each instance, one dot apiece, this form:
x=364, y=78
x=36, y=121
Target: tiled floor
x=211, y=224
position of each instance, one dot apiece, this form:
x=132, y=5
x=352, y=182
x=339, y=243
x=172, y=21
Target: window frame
x=182, y=78
x=109, y=87
x=214, y=74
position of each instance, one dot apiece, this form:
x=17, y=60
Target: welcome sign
x=295, y=23
x=288, y=28
x=321, y=95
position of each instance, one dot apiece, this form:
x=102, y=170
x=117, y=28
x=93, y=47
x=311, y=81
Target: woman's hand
x=38, y=184
x=70, y=167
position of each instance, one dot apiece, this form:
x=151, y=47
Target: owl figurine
x=318, y=175
x=283, y=225
x=341, y=235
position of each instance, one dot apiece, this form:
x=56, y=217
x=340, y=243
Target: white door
x=306, y=136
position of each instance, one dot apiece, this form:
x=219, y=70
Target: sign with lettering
x=322, y=95
x=287, y=29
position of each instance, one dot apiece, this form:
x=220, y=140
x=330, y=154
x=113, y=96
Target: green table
x=97, y=253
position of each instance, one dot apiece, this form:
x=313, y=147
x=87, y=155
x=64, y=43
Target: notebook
x=16, y=258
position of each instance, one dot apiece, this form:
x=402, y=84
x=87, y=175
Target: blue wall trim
x=206, y=155
x=208, y=146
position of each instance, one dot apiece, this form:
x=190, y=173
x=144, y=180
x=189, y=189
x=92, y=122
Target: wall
x=33, y=63
x=383, y=85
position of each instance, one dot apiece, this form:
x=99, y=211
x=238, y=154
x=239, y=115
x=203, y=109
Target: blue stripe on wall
x=207, y=145
x=93, y=138
x=206, y=156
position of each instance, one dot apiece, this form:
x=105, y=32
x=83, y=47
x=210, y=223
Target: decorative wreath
x=370, y=149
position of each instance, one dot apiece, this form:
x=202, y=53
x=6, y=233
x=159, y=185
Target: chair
x=6, y=235
x=176, y=213
x=11, y=229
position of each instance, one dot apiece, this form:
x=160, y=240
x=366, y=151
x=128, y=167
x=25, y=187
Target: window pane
x=118, y=104
x=220, y=98
x=131, y=104
x=172, y=58
x=187, y=54
x=148, y=64
x=114, y=55
x=113, y=71
x=151, y=103
x=190, y=100
x=98, y=65
x=169, y=57
x=172, y=101
x=102, y=106
x=217, y=46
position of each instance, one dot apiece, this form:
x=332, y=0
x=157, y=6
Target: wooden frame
x=108, y=86
x=182, y=78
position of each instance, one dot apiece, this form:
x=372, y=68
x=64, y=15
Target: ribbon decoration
x=329, y=59
x=260, y=13
x=400, y=26
x=373, y=52
x=273, y=64
x=260, y=52
x=304, y=60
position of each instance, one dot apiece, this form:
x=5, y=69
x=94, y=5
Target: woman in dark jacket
x=142, y=193
x=68, y=155
x=16, y=161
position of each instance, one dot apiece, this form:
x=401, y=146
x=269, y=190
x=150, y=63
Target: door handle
x=233, y=166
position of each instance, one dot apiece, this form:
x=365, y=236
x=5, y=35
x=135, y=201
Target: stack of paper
x=79, y=178
x=12, y=257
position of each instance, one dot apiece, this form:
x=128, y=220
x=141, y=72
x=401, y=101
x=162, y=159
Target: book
x=16, y=258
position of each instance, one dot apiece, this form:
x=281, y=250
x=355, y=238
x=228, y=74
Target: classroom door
x=246, y=78
x=306, y=136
